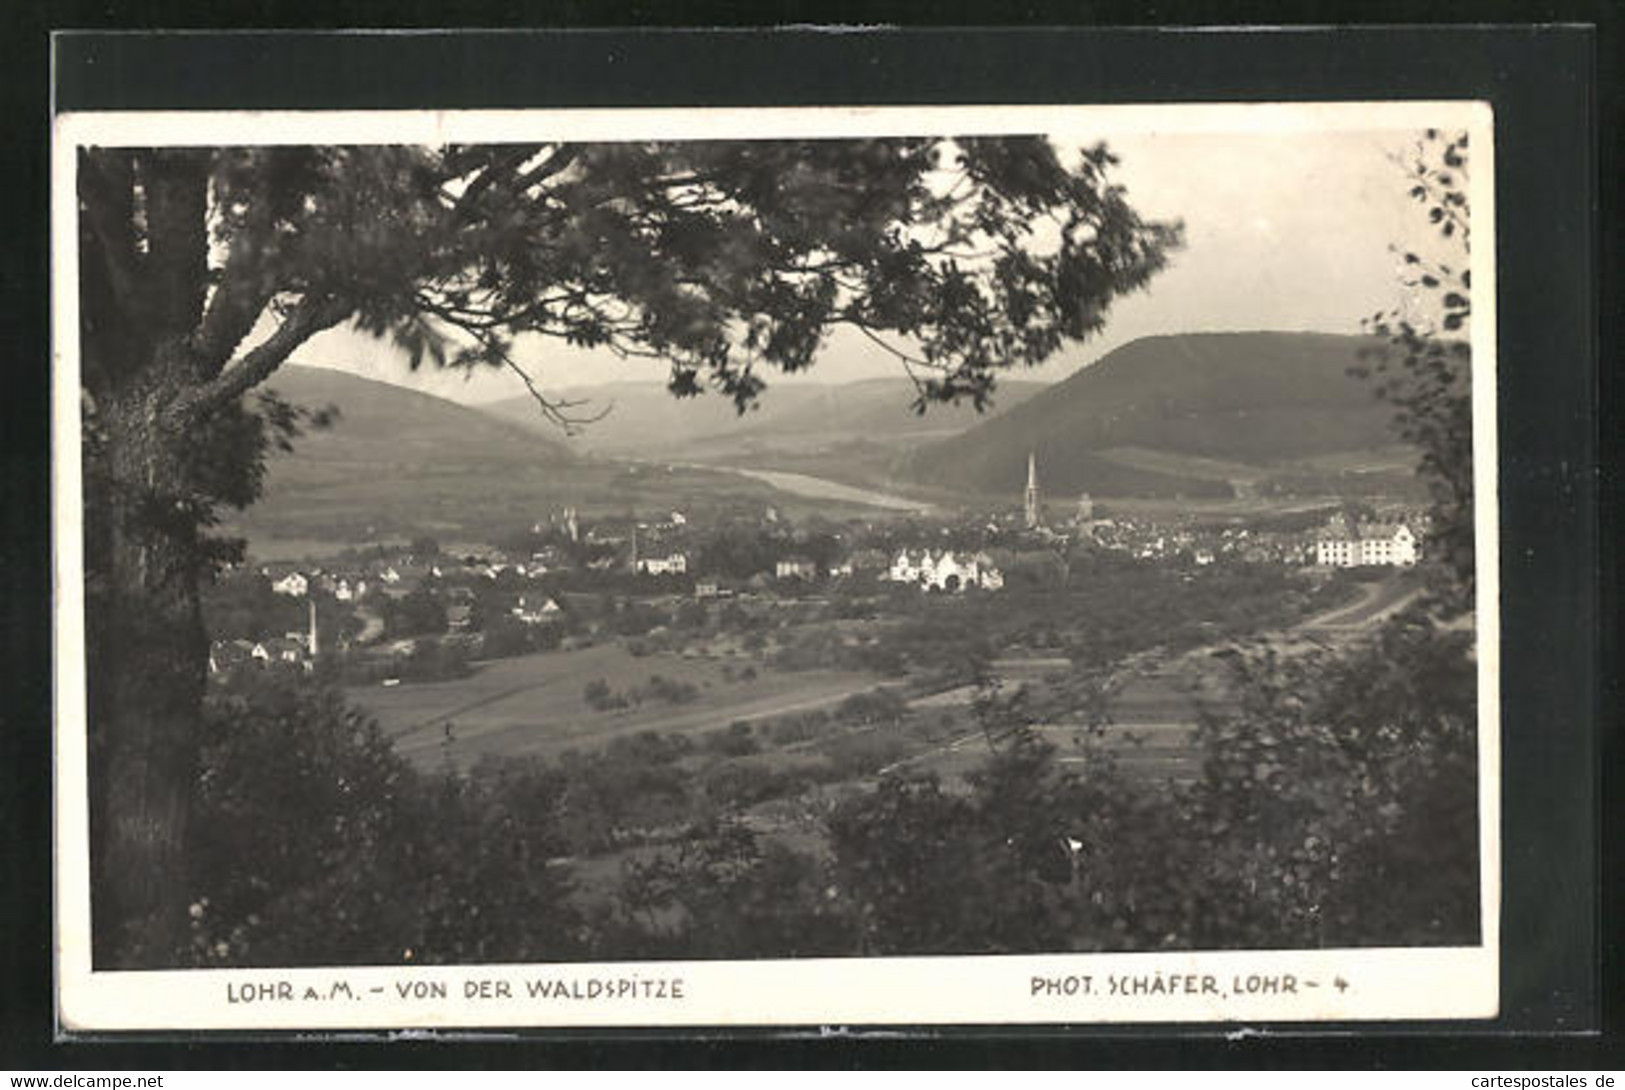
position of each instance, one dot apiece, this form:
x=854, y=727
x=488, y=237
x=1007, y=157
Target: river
x=821, y=489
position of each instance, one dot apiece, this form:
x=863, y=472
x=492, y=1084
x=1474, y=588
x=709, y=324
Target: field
x=1158, y=702
x=318, y=509
x=534, y=705
x=1150, y=735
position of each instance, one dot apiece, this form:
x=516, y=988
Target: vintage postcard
x=776, y=567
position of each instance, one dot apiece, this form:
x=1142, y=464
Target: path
x=598, y=727
x=1377, y=602
x=372, y=625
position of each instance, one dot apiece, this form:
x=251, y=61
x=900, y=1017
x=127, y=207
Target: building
x=225, y=654
x=294, y=585
x=795, y=567
x=1032, y=511
x=346, y=591
x=672, y=564
x=1383, y=544
x=946, y=570
x=545, y=613
x=288, y=649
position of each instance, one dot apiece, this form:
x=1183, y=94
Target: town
x=423, y=610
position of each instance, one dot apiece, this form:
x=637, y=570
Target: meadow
x=535, y=705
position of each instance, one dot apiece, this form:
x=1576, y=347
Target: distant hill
x=398, y=463
x=883, y=407
x=382, y=427
x=644, y=419
x=1124, y=424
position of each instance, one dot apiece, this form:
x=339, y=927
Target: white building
x=795, y=567
x=345, y=591
x=547, y=612
x=1378, y=543
x=945, y=570
x=293, y=585
x=674, y=564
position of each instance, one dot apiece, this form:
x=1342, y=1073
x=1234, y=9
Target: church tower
x=1032, y=491
x=315, y=648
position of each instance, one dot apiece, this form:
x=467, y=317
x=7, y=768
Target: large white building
x=1385, y=544
x=945, y=570
x=673, y=564
x=294, y=585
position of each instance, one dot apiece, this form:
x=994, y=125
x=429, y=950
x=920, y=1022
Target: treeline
x=1336, y=806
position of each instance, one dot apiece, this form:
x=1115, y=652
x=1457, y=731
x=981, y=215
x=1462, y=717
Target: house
x=346, y=591
x=288, y=649
x=945, y=570
x=225, y=654
x=294, y=585
x=706, y=588
x=1341, y=545
x=545, y=613
x=795, y=567
x=674, y=564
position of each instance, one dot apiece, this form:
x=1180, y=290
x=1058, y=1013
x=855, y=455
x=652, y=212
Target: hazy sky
x=1287, y=231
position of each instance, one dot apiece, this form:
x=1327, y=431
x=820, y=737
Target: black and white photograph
x=922, y=565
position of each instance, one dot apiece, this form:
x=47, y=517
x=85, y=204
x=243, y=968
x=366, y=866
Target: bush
x=435, y=660
x=505, y=637
x=724, y=894
x=672, y=692
x=874, y=707
x=600, y=698
x=314, y=844
x=734, y=740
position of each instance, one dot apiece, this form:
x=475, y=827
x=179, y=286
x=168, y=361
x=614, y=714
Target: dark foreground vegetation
x=1336, y=806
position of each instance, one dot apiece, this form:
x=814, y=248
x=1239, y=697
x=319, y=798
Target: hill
x=1192, y=414
x=395, y=461
x=398, y=463
x=644, y=419
x=382, y=425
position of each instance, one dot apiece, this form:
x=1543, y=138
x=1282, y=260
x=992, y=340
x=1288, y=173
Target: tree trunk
x=147, y=654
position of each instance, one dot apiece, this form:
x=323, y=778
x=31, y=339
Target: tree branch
x=556, y=412
x=232, y=313
x=308, y=317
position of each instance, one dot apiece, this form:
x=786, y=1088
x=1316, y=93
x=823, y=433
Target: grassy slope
x=1256, y=398
x=381, y=425
x=399, y=462
x=534, y=704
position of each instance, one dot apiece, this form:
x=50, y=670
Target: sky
x=1283, y=231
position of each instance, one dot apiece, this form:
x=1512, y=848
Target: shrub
x=734, y=740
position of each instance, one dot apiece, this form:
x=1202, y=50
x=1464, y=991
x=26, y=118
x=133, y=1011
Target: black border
x=1542, y=84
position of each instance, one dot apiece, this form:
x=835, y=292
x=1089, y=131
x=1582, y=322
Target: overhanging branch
x=555, y=411
x=308, y=317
